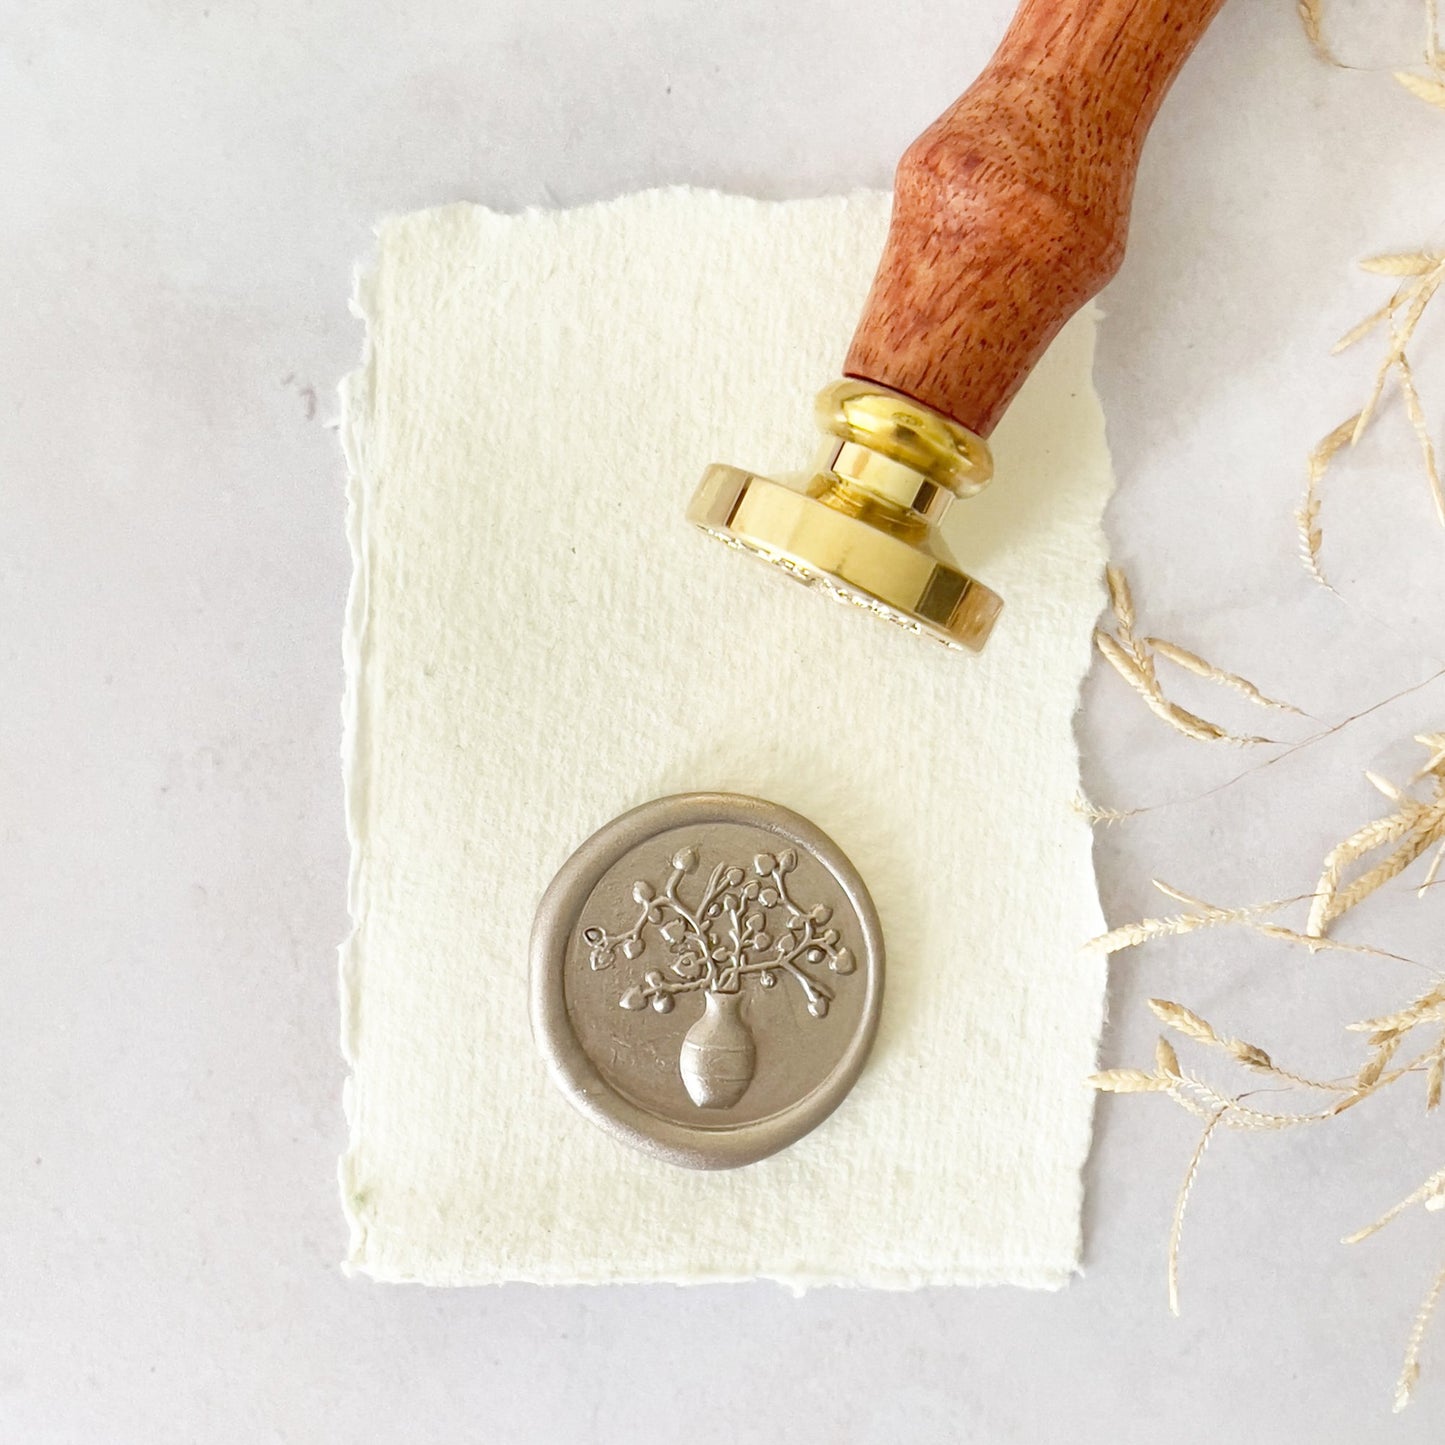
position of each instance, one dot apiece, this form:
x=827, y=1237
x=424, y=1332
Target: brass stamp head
x=862, y=525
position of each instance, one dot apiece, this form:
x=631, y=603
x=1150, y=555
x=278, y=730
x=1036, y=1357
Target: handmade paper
x=536, y=641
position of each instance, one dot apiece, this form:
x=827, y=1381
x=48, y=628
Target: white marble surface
x=184, y=193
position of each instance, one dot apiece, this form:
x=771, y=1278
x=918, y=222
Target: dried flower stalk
x=1410, y=1371
x=1421, y=274
x=1414, y=827
x=1432, y=1195
x=1432, y=1189
x=1429, y=90
x=1133, y=658
x=1311, y=16
x=1181, y=1203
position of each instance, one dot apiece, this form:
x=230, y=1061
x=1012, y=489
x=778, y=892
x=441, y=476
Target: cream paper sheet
x=536, y=641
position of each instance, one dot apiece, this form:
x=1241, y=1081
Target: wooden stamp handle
x=1011, y=210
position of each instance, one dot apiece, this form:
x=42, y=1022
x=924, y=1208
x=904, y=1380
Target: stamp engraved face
x=715, y=976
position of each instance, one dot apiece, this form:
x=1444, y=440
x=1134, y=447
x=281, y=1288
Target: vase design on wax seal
x=740, y=936
x=718, y=1054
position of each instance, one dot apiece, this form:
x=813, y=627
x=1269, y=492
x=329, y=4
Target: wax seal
x=707, y=973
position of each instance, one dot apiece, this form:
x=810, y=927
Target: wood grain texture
x=1011, y=210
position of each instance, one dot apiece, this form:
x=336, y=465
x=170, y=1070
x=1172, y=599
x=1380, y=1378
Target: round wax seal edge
x=572, y=1071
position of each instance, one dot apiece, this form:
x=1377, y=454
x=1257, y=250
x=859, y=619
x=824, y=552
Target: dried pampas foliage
x=1414, y=827
x=1419, y=274
x=1311, y=14
x=1406, y=1043
x=1415, y=1031
x=1134, y=658
x=1402, y=1047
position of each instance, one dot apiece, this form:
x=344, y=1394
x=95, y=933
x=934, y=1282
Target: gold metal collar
x=863, y=524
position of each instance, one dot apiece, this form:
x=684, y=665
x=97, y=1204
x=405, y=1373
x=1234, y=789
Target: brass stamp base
x=862, y=526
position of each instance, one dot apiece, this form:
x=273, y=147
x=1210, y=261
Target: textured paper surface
x=536, y=641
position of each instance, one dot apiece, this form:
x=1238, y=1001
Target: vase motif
x=718, y=1055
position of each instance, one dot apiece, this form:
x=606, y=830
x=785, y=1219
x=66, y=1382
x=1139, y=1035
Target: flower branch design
x=744, y=924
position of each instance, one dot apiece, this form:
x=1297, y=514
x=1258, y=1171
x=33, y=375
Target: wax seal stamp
x=707, y=973
x=1009, y=212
